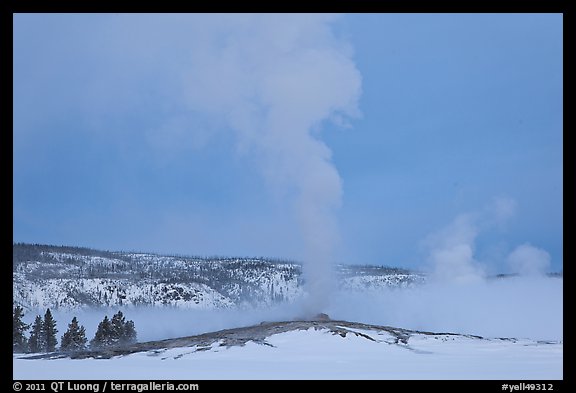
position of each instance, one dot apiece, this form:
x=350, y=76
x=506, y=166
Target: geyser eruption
x=276, y=79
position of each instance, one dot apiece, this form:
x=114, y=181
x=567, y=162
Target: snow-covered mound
x=309, y=350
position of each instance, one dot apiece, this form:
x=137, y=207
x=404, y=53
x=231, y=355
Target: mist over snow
x=459, y=296
x=158, y=323
x=514, y=307
x=528, y=307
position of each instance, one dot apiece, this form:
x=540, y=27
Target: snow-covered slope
x=73, y=278
x=71, y=293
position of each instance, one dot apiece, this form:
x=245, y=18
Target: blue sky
x=250, y=135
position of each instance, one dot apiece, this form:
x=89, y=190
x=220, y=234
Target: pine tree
x=124, y=331
x=20, y=344
x=115, y=332
x=129, y=336
x=49, y=329
x=75, y=337
x=103, y=336
x=37, y=343
x=118, y=323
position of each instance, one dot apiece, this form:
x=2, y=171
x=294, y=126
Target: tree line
x=113, y=332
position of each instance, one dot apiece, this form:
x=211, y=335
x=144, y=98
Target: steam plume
x=451, y=250
x=275, y=79
x=529, y=260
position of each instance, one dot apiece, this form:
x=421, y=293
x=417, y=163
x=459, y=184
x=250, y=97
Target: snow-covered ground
x=527, y=310
x=320, y=354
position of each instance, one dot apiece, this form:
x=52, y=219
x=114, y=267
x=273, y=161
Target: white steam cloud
x=459, y=296
x=528, y=260
x=519, y=307
x=452, y=251
x=274, y=80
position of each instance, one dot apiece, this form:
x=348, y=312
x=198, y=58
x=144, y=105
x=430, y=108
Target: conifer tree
x=124, y=331
x=118, y=324
x=75, y=337
x=114, y=332
x=49, y=330
x=37, y=343
x=20, y=344
x=103, y=336
x=129, y=336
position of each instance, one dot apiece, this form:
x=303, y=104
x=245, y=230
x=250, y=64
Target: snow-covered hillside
x=73, y=278
x=79, y=292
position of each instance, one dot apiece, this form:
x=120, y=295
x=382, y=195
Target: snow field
x=316, y=354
